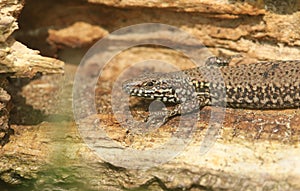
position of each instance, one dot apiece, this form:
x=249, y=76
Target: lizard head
x=152, y=86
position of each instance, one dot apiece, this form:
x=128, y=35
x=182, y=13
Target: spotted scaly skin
x=263, y=85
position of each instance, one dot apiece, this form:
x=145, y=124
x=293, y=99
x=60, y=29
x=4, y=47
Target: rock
x=202, y=6
x=9, y=9
x=253, y=28
x=250, y=150
x=78, y=35
x=5, y=106
x=17, y=61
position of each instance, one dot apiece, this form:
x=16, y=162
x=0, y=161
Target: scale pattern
x=262, y=85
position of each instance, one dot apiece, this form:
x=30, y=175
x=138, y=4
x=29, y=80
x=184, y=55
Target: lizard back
x=264, y=85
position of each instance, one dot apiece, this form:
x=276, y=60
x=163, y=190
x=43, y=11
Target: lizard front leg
x=159, y=118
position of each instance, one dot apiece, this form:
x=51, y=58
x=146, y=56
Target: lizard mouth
x=131, y=90
x=134, y=88
x=131, y=87
x=152, y=95
x=141, y=93
x=127, y=89
x=149, y=94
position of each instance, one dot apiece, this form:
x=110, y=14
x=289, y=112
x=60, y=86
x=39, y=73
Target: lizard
x=261, y=85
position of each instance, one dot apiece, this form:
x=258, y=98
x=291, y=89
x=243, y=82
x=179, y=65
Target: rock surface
x=9, y=9
x=202, y=6
x=5, y=130
x=17, y=61
x=251, y=150
x=229, y=27
x=78, y=35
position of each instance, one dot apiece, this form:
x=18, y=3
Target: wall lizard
x=262, y=85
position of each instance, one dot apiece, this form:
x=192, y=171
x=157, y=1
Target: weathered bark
x=251, y=150
x=5, y=130
x=78, y=35
x=9, y=10
x=231, y=28
x=17, y=61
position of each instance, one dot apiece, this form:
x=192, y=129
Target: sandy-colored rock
x=232, y=27
x=17, y=61
x=253, y=149
x=201, y=6
x=250, y=150
x=15, y=58
x=9, y=9
x=78, y=35
x=5, y=107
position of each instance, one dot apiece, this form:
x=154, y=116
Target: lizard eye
x=149, y=84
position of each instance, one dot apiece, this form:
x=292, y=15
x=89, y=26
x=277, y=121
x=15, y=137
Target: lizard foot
x=156, y=119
